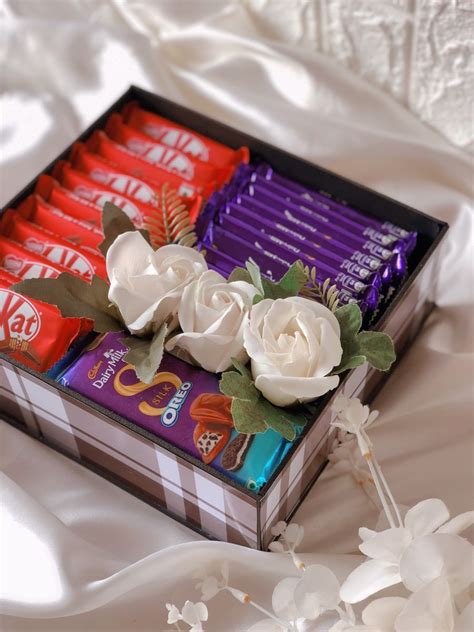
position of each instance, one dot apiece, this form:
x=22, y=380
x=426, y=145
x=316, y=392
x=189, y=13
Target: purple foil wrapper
x=295, y=191
x=316, y=253
x=274, y=261
x=183, y=405
x=321, y=212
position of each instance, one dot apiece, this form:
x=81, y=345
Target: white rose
x=293, y=344
x=213, y=315
x=147, y=285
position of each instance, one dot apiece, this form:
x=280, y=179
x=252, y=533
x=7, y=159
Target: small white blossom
x=355, y=418
x=290, y=535
x=394, y=551
x=193, y=614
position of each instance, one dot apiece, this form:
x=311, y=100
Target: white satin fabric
x=79, y=553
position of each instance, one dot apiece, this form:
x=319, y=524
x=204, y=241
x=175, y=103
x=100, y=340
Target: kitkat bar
x=166, y=157
x=34, y=332
x=26, y=264
x=78, y=232
x=182, y=405
x=74, y=259
x=128, y=161
x=67, y=201
x=181, y=138
x=8, y=278
x=144, y=194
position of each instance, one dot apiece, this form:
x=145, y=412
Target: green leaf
x=146, y=354
x=350, y=319
x=240, y=274
x=245, y=420
x=255, y=275
x=76, y=298
x=115, y=222
x=278, y=419
x=358, y=347
x=235, y=385
x=378, y=348
x=242, y=369
x=349, y=363
x=291, y=283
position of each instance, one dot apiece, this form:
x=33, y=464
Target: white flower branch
x=423, y=551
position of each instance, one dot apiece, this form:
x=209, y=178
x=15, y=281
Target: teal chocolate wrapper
x=183, y=406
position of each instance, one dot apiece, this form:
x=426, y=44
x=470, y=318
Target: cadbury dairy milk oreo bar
x=183, y=406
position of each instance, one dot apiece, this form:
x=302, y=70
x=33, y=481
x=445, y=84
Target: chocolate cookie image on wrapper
x=233, y=457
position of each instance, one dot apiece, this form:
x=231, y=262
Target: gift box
x=165, y=476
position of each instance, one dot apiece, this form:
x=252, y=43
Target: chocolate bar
x=164, y=156
x=273, y=264
x=294, y=191
x=56, y=195
x=75, y=259
x=77, y=231
x=337, y=236
x=321, y=213
x=26, y=264
x=139, y=189
x=297, y=243
x=34, y=332
x=181, y=138
x=183, y=406
x=130, y=162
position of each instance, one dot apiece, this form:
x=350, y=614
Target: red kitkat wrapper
x=56, y=249
x=181, y=138
x=34, y=332
x=99, y=143
x=78, y=232
x=68, y=202
x=111, y=176
x=8, y=278
x=164, y=156
x=26, y=264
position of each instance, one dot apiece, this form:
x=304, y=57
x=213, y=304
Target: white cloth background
x=77, y=552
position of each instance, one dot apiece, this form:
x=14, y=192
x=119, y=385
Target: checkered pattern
x=171, y=482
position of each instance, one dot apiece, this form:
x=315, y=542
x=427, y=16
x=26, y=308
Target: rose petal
x=425, y=517
x=367, y=579
x=285, y=391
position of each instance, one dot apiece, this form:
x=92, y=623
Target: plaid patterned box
x=163, y=475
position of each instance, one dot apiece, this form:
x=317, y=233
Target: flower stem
x=388, y=490
x=380, y=491
x=282, y=624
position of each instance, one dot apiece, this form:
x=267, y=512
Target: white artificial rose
x=147, y=285
x=213, y=315
x=293, y=343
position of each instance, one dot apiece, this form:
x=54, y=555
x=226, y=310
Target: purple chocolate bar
x=294, y=191
x=183, y=405
x=325, y=255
